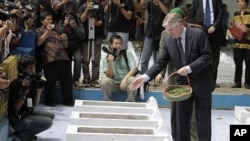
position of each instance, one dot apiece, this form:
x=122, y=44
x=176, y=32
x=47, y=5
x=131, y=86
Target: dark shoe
x=33, y=138
x=236, y=86
x=247, y=86
x=217, y=85
x=50, y=104
x=25, y=137
x=95, y=83
x=86, y=83
x=68, y=103
x=78, y=84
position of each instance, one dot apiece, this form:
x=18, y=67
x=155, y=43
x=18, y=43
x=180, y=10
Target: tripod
x=91, y=42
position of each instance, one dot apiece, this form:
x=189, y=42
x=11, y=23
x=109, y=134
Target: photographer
x=75, y=32
x=120, y=19
x=92, y=16
x=157, y=9
x=119, y=74
x=57, y=65
x=61, y=6
x=24, y=94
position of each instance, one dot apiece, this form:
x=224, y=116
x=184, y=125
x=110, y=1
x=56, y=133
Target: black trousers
x=58, y=70
x=202, y=115
x=241, y=55
x=215, y=40
x=193, y=129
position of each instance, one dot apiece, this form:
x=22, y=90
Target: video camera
x=106, y=50
x=34, y=80
x=6, y=7
x=29, y=8
x=4, y=15
x=92, y=10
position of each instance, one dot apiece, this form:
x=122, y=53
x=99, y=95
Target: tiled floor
x=221, y=119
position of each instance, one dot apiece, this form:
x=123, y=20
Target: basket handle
x=177, y=73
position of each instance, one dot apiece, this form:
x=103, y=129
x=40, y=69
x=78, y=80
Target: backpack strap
x=124, y=53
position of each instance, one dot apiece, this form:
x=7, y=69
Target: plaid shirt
x=53, y=47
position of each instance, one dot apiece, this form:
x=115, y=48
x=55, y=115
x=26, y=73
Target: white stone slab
x=150, y=103
x=113, y=109
x=78, y=133
x=116, y=121
x=241, y=113
x=247, y=120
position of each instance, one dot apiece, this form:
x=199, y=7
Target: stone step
x=117, y=121
x=150, y=103
x=77, y=120
x=77, y=133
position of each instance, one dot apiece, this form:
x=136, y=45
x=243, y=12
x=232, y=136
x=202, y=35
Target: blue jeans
x=77, y=64
x=147, y=51
x=124, y=38
x=34, y=123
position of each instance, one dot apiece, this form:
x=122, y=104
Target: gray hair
x=172, y=19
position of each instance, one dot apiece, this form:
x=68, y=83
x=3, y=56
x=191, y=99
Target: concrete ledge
x=219, y=100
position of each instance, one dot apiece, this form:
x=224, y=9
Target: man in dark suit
x=210, y=18
x=194, y=63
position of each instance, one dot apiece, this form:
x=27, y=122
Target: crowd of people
x=187, y=39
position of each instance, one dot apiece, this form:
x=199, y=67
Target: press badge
x=29, y=102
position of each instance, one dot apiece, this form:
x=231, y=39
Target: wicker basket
x=177, y=92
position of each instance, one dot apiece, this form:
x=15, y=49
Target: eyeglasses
x=171, y=29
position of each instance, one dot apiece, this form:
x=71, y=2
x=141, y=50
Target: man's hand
x=111, y=58
x=211, y=29
x=157, y=1
x=73, y=24
x=65, y=1
x=183, y=71
x=66, y=21
x=26, y=83
x=159, y=78
x=4, y=83
x=117, y=2
x=64, y=36
x=138, y=82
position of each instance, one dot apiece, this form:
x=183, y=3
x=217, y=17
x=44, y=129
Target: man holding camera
x=121, y=13
x=24, y=94
x=92, y=17
x=120, y=73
